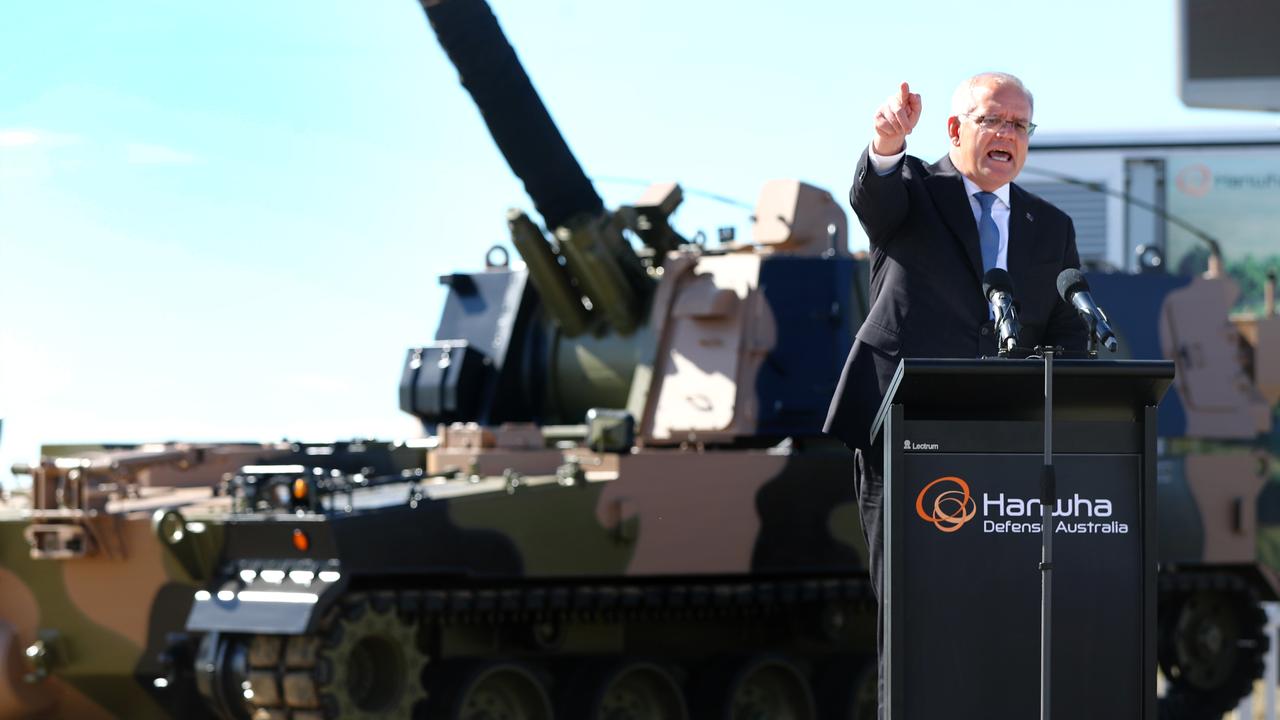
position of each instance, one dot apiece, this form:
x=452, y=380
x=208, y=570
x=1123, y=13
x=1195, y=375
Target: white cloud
x=34, y=137
x=149, y=154
x=18, y=138
x=28, y=155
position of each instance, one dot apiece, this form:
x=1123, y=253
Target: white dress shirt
x=885, y=164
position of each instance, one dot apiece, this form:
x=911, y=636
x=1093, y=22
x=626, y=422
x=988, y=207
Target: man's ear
x=953, y=130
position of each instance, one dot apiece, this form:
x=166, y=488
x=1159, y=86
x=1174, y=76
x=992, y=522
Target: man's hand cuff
x=885, y=164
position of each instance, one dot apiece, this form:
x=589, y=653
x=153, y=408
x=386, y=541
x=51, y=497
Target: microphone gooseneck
x=1074, y=289
x=997, y=286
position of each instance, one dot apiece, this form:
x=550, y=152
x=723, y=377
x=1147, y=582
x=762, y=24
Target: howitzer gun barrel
x=518, y=121
x=591, y=258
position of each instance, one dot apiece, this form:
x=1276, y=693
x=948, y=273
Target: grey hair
x=962, y=100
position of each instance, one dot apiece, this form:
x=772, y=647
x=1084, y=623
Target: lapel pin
x=1029, y=218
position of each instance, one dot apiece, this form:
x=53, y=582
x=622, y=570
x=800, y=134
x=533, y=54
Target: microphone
x=1075, y=290
x=998, y=287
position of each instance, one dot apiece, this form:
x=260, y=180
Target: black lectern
x=963, y=454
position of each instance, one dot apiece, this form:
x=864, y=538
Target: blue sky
x=226, y=221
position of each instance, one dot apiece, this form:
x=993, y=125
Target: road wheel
x=758, y=688
x=624, y=691
x=488, y=691
x=1211, y=648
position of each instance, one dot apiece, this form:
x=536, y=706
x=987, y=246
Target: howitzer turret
x=584, y=324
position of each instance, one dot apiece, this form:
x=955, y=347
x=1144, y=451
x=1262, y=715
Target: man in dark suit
x=934, y=231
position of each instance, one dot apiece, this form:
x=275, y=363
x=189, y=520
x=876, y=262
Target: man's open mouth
x=1000, y=156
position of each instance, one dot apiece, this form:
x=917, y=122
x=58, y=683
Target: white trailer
x=1158, y=189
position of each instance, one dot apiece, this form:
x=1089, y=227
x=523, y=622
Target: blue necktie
x=988, y=233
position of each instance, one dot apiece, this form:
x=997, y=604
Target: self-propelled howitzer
x=574, y=329
x=624, y=507
x=625, y=497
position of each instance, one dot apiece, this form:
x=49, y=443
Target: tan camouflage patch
x=696, y=512
x=91, y=581
x=1226, y=488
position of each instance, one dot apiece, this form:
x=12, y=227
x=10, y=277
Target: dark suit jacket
x=926, y=280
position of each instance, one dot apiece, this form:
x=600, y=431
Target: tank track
x=292, y=677
x=618, y=602
x=282, y=677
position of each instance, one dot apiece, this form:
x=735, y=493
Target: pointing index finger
x=904, y=93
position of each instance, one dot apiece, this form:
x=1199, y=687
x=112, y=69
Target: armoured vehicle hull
x=696, y=580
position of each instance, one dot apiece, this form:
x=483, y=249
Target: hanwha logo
x=1195, y=180
x=949, y=507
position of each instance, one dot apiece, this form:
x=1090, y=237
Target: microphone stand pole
x=1048, y=493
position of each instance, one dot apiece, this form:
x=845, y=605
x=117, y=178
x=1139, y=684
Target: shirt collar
x=1002, y=192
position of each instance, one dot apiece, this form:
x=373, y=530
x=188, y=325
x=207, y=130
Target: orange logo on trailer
x=951, y=506
x=1195, y=180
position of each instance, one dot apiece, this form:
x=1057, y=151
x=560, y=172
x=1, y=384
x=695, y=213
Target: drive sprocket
x=370, y=663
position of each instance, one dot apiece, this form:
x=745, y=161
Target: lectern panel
x=970, y=585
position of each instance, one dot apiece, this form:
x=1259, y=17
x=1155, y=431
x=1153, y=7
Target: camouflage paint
x=695, y=511
x=556, y=529
x=92, y=654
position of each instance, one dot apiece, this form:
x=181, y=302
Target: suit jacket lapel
x=1021, y=234
x=947, y=189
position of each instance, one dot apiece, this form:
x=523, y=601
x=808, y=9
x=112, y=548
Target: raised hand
x=895, y=120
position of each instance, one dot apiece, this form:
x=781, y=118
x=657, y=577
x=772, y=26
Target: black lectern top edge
x=998, y=388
